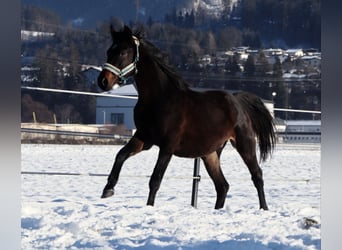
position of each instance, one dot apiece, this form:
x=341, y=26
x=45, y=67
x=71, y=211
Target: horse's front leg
x=157, y=175
x=133, y=147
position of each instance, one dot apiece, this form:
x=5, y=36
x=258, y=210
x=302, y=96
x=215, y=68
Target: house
x=28, y=73
x=116, y=107
x=294, y=53
x=312, y=61
x=32, y=36
x=273, y=52
x=302, y=131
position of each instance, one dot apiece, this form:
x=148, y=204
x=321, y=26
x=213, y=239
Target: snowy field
x=66, y=212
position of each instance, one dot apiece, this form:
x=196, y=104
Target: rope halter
x=122, y=73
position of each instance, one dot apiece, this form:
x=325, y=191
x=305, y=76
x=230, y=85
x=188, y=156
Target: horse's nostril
x=104, y=82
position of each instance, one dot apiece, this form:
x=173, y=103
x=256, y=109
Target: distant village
x=296, y=63
x=303, y=60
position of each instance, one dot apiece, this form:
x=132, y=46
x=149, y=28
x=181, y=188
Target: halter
x=122, y=73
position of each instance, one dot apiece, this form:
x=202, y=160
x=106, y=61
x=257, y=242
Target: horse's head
x=122, y=58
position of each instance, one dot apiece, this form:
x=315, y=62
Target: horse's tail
x=262, y=122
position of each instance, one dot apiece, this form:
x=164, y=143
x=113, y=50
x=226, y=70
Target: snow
x=66, y=212
x=27, y=35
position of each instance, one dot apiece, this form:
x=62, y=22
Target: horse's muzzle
x=106, y=81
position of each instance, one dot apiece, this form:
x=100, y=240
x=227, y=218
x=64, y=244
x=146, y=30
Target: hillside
x=277, y=23
x=89, y=13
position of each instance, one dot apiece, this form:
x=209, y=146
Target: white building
x=302, y=131
x=294, y=53
x=313, y=61
x=117, y=109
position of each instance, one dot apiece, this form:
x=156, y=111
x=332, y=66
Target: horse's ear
x=127, y=30
x=112, y=31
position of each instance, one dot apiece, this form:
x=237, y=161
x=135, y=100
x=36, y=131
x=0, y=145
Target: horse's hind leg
x=212, y=164
x=219, y=151
x=133, y=147
x=246, y=146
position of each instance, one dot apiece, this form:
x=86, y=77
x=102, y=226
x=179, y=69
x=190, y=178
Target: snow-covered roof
x=310, y=58
x=294, y=50
x=303, y=122
x=27, y=35
x=87, y=67
x=128, y=90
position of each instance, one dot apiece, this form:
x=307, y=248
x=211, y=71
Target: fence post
x=195, y=182
x=34, y=117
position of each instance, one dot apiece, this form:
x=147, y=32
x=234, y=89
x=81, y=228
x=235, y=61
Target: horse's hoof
x=264, y=208
x=107, y=193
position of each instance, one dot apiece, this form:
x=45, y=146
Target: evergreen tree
x=149, y=21
x=229, y=37
x=277, y=69
x=75, y=66
x=249, y=67
x=249, y=14
x=50, y=71
x=232, y=66
x=262, y=65
x=208, y=43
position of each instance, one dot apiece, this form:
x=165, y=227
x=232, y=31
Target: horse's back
x=208, y=121
x=214, y=105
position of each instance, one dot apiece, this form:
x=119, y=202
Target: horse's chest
x=156, y=121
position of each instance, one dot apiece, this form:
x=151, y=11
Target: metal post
x=195, y=182
x=34, y=117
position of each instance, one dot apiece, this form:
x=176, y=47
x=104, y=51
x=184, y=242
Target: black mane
x=158, y=57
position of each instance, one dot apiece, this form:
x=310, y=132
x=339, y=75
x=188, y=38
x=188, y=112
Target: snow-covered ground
x=66, y=212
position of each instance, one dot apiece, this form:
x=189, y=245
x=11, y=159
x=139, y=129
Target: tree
x=277, y=69
x=66, y=113
x=41, y=110
x=149, y=21
x=208, y=42
x=189, y=20
x=232, y=65
x=75, y=66
x=39, y=19
x=229, y=37
x=49, y=70
x=249, y=14
x=262, y=65
x=249, y=66
x=251, y=38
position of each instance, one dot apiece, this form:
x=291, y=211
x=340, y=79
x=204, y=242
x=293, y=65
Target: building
x=294, y=53
x=116, y=107
x=312, y=61
x=302, y=131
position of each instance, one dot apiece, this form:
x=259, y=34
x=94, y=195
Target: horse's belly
x=200, y=146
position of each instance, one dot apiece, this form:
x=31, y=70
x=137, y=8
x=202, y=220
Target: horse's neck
x=152, y=83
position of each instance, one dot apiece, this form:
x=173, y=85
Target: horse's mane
x=158, y=57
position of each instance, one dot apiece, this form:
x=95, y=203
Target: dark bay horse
x=181, y=121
